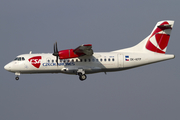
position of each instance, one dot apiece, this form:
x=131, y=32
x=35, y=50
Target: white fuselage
x=99, y=62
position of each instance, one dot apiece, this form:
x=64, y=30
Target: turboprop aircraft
x=83, y=60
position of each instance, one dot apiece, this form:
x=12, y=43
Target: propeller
x=56, y=52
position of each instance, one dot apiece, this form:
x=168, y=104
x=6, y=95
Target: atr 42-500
x=83, y=60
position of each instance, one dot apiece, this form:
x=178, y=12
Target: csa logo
x=35, y=61
x=158, y=41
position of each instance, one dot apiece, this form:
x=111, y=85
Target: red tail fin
x=159, y=38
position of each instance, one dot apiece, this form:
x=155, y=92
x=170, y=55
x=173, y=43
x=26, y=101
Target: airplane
x=82, y=60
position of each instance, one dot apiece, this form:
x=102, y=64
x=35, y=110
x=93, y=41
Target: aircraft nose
x=7, y=67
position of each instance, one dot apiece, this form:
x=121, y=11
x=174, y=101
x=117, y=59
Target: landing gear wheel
x=17, y=78
x=82, y=77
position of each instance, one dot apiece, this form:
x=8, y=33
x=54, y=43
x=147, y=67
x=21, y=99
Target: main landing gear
x=81, y=74
x=82, y=77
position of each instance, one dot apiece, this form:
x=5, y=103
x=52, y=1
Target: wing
x=84, y=50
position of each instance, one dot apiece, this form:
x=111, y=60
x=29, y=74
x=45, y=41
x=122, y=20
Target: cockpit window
x=16, y=59
x=19, y=59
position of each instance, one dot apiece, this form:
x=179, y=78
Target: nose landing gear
x=17, y=76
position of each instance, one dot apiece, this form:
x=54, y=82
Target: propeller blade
x=56, y=52
x=56, y=47
x=57, y=60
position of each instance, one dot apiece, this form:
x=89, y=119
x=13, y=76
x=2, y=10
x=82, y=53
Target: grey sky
x=146, y=93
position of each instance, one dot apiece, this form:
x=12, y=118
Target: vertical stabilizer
x=156, y=42
x=159, y=38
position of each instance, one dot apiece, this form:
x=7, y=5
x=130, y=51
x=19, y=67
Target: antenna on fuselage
x=30, y=52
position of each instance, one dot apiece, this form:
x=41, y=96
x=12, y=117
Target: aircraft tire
x=82, y=77
x=17, y=78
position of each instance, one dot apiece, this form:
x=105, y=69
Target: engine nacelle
x=69, y=53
